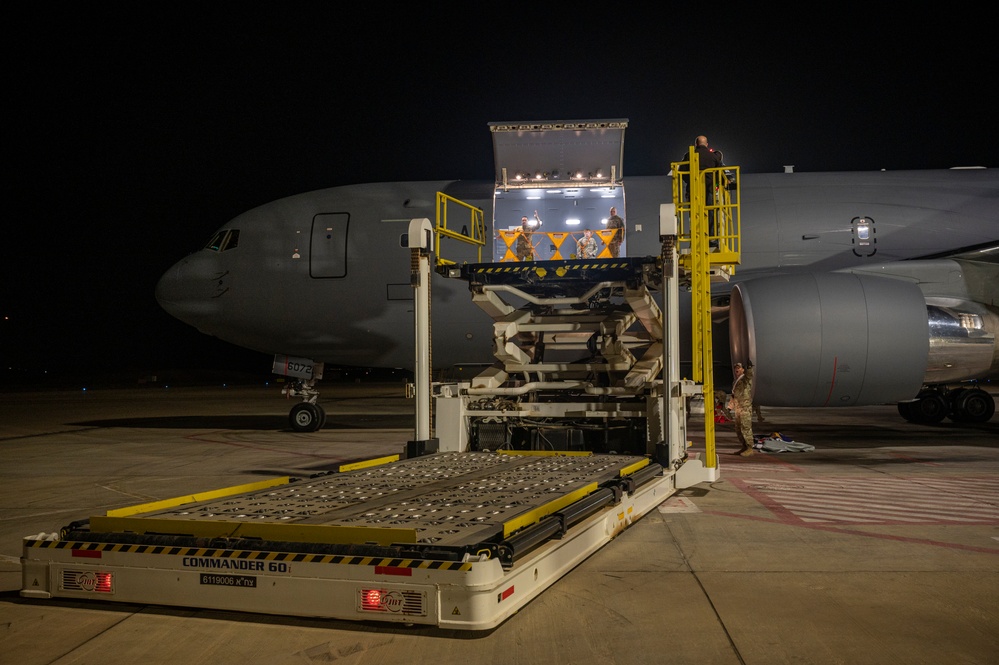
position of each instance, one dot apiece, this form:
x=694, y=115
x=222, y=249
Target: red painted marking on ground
x=866, y=534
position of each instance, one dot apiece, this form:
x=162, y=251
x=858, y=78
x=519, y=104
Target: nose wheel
x=307, y=417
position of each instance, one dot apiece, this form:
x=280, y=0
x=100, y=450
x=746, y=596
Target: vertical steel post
x=675, y=408
x=419, y=241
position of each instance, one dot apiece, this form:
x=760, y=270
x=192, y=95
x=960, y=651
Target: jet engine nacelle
x=831, y=339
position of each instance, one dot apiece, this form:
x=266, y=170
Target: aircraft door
x=328, y=248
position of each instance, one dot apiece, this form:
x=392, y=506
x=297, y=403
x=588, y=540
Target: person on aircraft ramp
x=742, y=407
x=525, y=244
x=586, y=247
x=707, y=158
x=615, y=222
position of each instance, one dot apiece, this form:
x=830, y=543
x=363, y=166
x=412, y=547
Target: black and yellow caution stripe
x=248, y=555
x=269, y=531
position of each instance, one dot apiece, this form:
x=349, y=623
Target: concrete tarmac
x=880, y=546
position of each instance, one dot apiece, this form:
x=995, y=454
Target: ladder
x=701, y=264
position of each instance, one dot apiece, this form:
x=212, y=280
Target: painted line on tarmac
x=882, y=501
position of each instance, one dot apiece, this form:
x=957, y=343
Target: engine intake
x=831, y=339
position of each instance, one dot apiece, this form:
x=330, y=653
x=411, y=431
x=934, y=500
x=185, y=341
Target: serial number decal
x=229, y=580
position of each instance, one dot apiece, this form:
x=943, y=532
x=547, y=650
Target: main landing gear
x=963, y=405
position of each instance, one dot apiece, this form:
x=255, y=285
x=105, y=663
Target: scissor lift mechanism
x=579, y=359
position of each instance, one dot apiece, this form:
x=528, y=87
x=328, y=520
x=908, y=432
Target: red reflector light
x=371, y=600
x=88, y=581
x=393, y=601
x=393, y=570
x=87, y=554
x=103, y=583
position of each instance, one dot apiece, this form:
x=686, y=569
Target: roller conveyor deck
x=450, y=539
x=444, y=500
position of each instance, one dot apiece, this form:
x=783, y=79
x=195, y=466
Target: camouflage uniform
x=525, y=249
x=614, y=245
x=525, y=244
x=742, y=406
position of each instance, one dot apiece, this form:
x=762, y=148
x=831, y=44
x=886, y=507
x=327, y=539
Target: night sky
x=134, y=130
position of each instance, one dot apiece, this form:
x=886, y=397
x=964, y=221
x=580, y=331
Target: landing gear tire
x=908, y=411
x=953, y=401
x=306, y=417
x=975, y=406
x=930, y=408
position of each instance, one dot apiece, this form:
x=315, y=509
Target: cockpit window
x=231, y=240
x=215, y=244
x=223, y=240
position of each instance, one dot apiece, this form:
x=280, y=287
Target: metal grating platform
x=562, y=278
x=449, y=499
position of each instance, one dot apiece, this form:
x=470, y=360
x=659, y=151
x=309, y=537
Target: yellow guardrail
x=554, y=245
x=473, y=231
x=724, y=183
x=701, y=196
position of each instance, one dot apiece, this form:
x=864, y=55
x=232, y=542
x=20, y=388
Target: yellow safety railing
x=563, y=244
x=474, y=233
x=723, y=181
x=720, y=247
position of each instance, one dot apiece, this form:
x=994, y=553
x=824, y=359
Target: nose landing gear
x=307, y=417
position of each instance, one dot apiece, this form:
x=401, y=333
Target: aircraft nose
x=187, y=292
x=168, y=290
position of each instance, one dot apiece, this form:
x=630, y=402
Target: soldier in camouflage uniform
x=525, y=244
x=742, y=407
